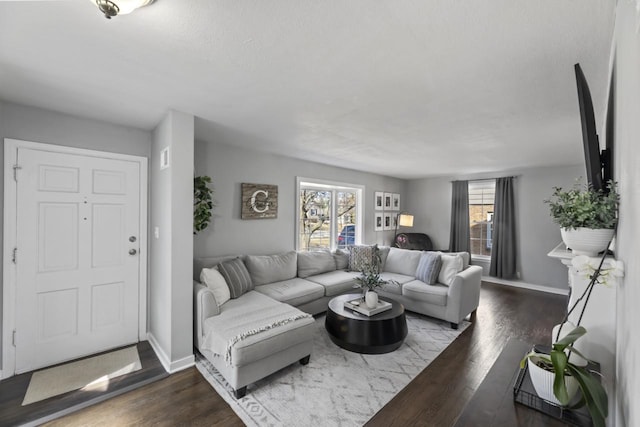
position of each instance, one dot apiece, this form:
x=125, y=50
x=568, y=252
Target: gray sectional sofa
x=267, y=326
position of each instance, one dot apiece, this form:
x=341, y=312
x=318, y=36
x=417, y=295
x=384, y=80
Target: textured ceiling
x=406, y=88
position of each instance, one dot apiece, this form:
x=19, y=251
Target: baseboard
x=167, y=364
x=524, y=285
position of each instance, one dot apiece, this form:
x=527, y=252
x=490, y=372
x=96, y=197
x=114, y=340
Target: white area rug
x=338, y=387
x=88, y=373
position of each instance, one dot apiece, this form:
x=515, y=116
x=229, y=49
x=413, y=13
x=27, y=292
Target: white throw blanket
x=251, y=314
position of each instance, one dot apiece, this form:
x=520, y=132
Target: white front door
x=77, y=263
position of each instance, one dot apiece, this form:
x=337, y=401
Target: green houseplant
x=202, y=203
x=586, y=216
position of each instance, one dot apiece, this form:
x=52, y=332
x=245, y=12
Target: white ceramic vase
x=371, y=299
x=586, y=241
x=543, y=382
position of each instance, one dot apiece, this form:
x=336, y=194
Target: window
x=481, y=199
x=328, y=215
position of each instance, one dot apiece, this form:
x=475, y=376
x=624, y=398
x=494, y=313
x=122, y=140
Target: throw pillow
x=272, y=268
x=315, y=262
x=212, y=278
x=451, y=265
x=360, y=256
x=342, y=259
x=237, y=277
x=429, y=267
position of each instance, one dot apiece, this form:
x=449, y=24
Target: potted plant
x=202, y=203
x=587, y=217
x=370, y=279
x=557, y=376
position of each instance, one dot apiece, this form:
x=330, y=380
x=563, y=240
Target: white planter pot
x=586, y=241
x=543, y=382
x=371, y=299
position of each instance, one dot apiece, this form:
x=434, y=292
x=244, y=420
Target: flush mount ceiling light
x=119, y=7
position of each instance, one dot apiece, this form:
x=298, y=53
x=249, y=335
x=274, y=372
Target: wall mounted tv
x=598, y=163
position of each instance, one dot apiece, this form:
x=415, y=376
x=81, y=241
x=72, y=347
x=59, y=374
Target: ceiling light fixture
x=119, y=7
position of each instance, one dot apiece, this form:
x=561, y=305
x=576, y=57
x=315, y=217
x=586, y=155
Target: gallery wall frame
x=378, y=221
x=395, y=202
x=378, y=199
x=388, y=221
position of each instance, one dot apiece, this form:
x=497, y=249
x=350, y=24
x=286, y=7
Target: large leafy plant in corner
x=202, y=203
x=585, y=207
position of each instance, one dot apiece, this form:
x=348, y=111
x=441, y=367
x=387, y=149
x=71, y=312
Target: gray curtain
x=459, y=237
x=503, y=250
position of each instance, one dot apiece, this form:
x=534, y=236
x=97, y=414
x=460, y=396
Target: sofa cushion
x=212, y=278
x=237, y=277
x=360, y=257
x=316, y=262
x=393, y=287
x=420, y=291
x=403, y=261
x=429, y=267
x=342, y=259
x=335, y=282
x=272, y=268
x=452, y=264
x=396, y=277
x=294, y=291
x=267, y=314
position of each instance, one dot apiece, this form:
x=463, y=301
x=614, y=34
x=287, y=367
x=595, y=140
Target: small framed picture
x=378, y=221
x=395, y=202
x=379, y=200
x=388, y=221
x=387, y=201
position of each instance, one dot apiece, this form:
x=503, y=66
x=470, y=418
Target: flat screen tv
x=595, y=161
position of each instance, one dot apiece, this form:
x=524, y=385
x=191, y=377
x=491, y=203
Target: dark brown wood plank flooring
x=435, y=398
x=12, y=392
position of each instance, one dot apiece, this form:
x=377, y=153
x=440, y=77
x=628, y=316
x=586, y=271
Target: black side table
x=377, y=334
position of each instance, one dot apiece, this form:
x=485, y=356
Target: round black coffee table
x=380, y=333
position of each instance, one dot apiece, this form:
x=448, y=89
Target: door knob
x=132, y=239
x=132, y=252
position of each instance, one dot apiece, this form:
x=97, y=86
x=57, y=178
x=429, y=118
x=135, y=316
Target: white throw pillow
x=212, y=278
x=451, y=265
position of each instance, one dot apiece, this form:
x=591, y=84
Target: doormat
x=337, y=387
x=90, y=374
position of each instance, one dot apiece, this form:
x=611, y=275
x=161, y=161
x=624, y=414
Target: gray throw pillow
x=237, y=277
x=429, y=267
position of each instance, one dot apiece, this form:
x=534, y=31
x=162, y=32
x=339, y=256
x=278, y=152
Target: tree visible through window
x=481, y=200
x=328, y=216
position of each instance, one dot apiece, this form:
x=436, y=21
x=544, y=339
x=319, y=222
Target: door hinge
x=15, y=172
x=13, y=338
x=14, y=256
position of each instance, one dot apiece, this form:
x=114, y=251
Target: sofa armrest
x=204, y=306
x=464, y=293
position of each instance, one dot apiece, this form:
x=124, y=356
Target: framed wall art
x=395, y=202
x=378, y=200
x=378, y=221
x=388, y=221
x=259, y=201
x=387, y=201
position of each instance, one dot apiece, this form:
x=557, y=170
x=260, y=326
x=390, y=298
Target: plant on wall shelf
x=202, y=203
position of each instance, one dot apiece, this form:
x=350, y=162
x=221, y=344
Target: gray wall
x=171, y=256
x=230, y=166
x=430, y=201
x=627, y=173
x=39, y=125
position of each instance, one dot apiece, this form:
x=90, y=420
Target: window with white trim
x=328, y=215
x=482, y=194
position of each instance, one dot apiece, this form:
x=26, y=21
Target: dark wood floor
x=435, y=398
x=12, y=391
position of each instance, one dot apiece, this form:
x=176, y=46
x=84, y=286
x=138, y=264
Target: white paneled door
x=77, y=262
